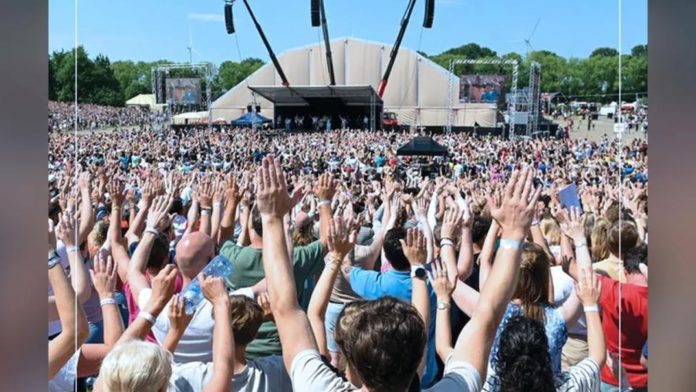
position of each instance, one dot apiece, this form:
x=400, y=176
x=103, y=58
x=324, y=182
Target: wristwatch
x=441, y=305
x=418, y=271
x=53, y=259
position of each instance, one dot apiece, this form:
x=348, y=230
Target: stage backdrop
x=184, y=91
x=481, y=88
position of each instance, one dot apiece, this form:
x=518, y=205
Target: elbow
x=600, y=357
x=83, y=294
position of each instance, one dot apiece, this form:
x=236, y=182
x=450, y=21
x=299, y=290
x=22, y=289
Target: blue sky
x=150, y=30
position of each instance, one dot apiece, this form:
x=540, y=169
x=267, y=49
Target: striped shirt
x=583, y=377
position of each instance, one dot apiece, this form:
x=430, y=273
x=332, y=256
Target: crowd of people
x=353, y=268
x=61, y=116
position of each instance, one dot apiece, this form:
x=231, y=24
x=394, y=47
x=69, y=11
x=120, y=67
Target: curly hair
x=522, y=361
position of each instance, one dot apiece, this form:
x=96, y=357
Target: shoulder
x=229, y=249
x=190, y=376
x=309, y=373
x=584, y=377
x=458, y=376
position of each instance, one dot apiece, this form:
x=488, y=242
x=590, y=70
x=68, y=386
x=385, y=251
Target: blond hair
x=136, y=365
x=551, y=231
x=599, y=240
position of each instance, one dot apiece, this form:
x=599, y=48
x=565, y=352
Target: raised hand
x=219, y=192
x=51, y=236
x=84, y=182
x=104, y=275
x=178, y=318
x=443, y=285
x=272, y=199
x=515, y=211
x=572, y=225
x=451, y=225
x=115, y=188
x=66, y=230
x=265, y=305
x=158, y=217
x=205, y=194
x=588, y=287
x=325, y=189
x=213, y=288
x=414, y=247
x=341, y=240
x=163, y=286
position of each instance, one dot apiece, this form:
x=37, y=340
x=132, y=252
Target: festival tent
x=142, y=100
x=249, y=119
x=422, y=145
x=190, y=118
x=419, y=92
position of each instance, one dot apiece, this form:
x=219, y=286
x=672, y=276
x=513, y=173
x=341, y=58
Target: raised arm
x=135, y=229
x=86, y=209
x=227, y=224
x=79, y=276
x=178, y=322
x=340, y=243
x=205, y=198
x=465, y=262
x=416, y=250
x=443, y=286
x=419, y=207
x=273, y=203
x=588, y=289
x=449, y=233
x=118, y=250
x=217, y=209
x=487, y=253
x=72, y=318
x=223, y=336
x=514, y=215
x=157, y=220
x=325, y=190
x=104, y=276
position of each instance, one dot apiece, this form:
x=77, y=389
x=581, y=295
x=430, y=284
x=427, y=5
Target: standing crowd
x=61, y=116
x=352, y=268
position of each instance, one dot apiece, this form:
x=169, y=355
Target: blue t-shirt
x=372, y=285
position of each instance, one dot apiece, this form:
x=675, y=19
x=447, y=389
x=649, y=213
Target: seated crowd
x=351, y=268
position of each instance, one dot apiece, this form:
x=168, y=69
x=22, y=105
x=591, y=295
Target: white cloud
x=207, y=17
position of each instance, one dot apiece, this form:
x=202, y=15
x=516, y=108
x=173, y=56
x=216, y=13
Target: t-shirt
x=266, y=374
x=583, y=377
x=372, y=285
x=342, y=291
x=248, y=270
x=64, y=380
x=612, y=267
x=634, y=328
x=309, y=373
x=196, y=344
x=134, y=309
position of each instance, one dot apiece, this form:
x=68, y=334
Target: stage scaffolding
x=207, y=67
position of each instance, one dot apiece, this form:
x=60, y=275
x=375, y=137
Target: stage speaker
x=248, y=108
x=229, y=23
x=315, y=13
x=258, y=108
x=429, y=13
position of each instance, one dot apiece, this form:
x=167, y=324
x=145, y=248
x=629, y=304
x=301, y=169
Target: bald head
x=193, y=252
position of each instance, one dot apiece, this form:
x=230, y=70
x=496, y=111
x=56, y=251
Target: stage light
x=315, y=13
x=429, y=13
x=229, y=22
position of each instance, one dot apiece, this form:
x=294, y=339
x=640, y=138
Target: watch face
x=420, y=272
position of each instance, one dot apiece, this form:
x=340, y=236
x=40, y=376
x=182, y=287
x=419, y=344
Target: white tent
x=190, y=118
x=417, y=90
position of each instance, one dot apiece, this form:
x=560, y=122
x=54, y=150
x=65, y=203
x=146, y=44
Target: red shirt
x=132, y=302
x=634, y=328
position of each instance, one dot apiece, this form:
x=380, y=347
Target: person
x=248, y=266
x=621, y=237
x=384, y=327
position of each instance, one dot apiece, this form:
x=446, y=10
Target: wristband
x=108, y=301
x=324, y=202
x=580, y=244
x=535, y=223
x=510, y=244
x=152, y=230
x=53, y=261
x=445, y=242
x=442, y=305
x=592, y=308
x=73, y=248
x=147, y=316
x=205, y=212
x=206, y=209
x=217, y=204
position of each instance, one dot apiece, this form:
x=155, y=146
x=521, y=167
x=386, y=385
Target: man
x=388, y=332
x=307, y=261
x=265, y=374
x=193, y=253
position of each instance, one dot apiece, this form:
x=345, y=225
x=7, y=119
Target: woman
x=522, y=362
x=531, y=299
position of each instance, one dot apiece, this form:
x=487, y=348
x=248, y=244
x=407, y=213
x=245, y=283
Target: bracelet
x=152, y=230
x=147, y=316
x=108, y=301
x=73, y=248
x=324, y=202
x=580, y=244
x=217, y=204
x=53, y=261
x=205, y=209
x=445, y=242
x=205, y=212
x=510, y=244
x=592, y=308
x=535, y=223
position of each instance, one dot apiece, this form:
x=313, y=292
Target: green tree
x=231, y=73
x=639, y=51
x=604, y=52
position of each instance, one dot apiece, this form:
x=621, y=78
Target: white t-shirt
x=196, y=345
x=563, y=288
x=266, y=374
x=64, y=380
x=309, y=373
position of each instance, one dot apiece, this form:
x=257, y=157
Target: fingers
x=527, y=185
x=510, y=187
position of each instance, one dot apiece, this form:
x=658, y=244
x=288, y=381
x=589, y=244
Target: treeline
x=595, y=78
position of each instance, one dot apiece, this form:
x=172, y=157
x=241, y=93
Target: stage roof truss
x=304, y=95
